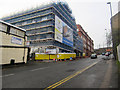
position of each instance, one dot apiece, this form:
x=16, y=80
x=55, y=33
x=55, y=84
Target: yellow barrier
x=39, y=56
x=83, y=54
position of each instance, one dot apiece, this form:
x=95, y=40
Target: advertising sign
x=51, y=51
x=58, y=29
x=27, y=43
x=67, y=35
x=16, y=40
x=63, y=33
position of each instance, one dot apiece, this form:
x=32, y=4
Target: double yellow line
x=68, y=78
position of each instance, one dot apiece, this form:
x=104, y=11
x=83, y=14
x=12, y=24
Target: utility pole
x=111, y=16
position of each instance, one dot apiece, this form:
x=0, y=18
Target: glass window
x=49, y=35
x=44, y=18
x=24, y=23
x=20, y=33
x=0, y=26
x=13, y=31
x=3, y=27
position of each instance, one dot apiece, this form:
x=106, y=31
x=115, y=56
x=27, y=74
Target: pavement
x=81, y=73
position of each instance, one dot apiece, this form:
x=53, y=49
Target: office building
x=50, y=26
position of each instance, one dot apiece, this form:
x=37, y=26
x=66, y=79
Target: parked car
x=93, y=56
x=107, y=53
x=103, y=53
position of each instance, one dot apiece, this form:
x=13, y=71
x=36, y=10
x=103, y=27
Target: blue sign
x=16, y=40
x=67, y=35
x=67, y=42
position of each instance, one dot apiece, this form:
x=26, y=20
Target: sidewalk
x=111, y=75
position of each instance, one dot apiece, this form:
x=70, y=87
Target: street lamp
x=110, y=8
x=111, y=17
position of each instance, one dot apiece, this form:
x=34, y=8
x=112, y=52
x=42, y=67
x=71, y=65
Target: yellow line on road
x=68, y=78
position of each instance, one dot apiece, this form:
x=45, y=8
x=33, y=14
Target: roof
x=1, y=21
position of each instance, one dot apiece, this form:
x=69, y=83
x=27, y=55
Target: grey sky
x=93, y=15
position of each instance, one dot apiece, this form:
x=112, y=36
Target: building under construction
x=50, y=28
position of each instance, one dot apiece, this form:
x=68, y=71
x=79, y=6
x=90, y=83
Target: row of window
x=41, y=36
x=63, y=19
x=55, y=43
x=66, y=14
x=65, y=10
x=11, y=30
x=29, y=15
x=62, y=10
x=41, y=43
x=64, y=46
x=40, y=30
x=45, y=23
x=35, y=20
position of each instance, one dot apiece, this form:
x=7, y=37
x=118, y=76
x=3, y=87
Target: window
x=49, y=36
x=24, y=23
x=44, y=18
x=33, y=21
x=20, y=33
x=3, y=27
x=13, y=31
x=0, y=26
x=8, y=29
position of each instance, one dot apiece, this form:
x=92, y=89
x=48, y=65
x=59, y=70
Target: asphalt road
x=81, y=73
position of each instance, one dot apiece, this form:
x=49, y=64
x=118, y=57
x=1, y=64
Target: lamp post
x=111, y=23
x=111, y=17
x=110, y=8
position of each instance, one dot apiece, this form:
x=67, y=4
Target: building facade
x=88, y=45
x=115, y=25
x=49, y=26
x=13, y=44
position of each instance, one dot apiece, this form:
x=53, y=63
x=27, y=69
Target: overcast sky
x=92, y=15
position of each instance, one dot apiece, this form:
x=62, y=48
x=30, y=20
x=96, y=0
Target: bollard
x=70, y=58
x=60, y=60
x=54, y=59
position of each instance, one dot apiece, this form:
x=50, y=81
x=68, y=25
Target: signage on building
x=58, y=29
x=27, y=43
x=63, y=33
x=51, y=51
x=67, y=35
x=16, y=40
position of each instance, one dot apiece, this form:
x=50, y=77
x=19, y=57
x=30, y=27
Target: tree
x=109, y=39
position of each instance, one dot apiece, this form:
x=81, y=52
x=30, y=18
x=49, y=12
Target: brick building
x=88, y=46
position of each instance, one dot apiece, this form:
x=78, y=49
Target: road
x=81, y=73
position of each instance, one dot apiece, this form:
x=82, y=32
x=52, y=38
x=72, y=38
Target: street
x=81, y=73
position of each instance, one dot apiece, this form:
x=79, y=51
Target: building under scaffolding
x=50, y=26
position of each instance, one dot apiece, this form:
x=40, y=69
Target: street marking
x=39, y=69
x=68, y=78
x=7, y=75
